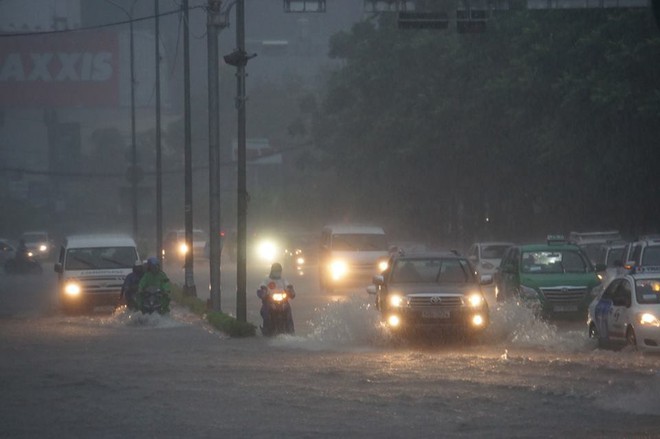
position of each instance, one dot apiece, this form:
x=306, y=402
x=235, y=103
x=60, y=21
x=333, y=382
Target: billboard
x=71, y=69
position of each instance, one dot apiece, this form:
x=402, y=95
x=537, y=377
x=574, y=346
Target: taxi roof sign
x=556, y=239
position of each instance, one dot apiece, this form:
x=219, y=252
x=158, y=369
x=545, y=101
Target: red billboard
x=72, y=69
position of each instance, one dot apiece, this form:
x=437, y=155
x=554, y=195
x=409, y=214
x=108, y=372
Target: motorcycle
x=153, y=300
x=25, y=264
x=277, y=302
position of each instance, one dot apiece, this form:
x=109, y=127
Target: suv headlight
x=475, y=300
x=396, y=300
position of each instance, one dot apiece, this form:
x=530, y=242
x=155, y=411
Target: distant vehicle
x=627, y=312
x=556, y=278
x=39, y=243
x=431, y=291
x=590, y=242
x=92, y=269
x=175, y=247
x=351, y=254
x=643, y=252
x=7, y=250
x=612, y=252
x=486, y=256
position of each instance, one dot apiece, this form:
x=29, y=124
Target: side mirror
x=486, y=279
x=378, y=280
x=371, y=289
x=58, y=268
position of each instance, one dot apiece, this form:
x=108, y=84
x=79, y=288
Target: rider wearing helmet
x=275, y=281
x=154, y=277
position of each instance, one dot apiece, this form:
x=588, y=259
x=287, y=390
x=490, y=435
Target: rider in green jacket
x=154, y=277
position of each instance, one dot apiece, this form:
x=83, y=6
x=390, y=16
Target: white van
x=351, y=255
x=92, y=269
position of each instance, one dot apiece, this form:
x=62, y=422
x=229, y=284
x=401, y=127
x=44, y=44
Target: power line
x=95, y=27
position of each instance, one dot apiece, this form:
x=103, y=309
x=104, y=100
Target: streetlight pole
x=215, y=22
x=241, y=272
x=133, y=174
x=159, y=155
x=189, y=288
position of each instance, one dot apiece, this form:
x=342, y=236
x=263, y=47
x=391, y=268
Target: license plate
x=435, y=314
x=565, y=308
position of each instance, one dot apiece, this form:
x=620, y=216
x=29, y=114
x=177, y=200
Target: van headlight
x=338, y=269
x=382, y=266
x=72, y=289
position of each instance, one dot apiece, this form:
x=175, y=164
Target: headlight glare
x=475, y=299
x=183, y=248
x=72, y=289
x=338, y=269
x=394, y=321
x=43, y=247
x=477, y=320
x=648, y=319
x=382, y=266
x=396, y=300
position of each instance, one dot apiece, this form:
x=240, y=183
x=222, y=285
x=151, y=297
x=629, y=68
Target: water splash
x=348, y=324
x=518, y=326
x=122, y=316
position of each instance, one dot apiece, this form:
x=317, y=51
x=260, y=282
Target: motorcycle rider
x=275, y=281
x=130, y=287
x=156, y=278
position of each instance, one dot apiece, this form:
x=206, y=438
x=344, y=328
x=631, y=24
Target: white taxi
x=627, y=312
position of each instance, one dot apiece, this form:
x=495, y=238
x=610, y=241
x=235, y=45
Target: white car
x=627, y=312
x=39, y=243
x=486, y=256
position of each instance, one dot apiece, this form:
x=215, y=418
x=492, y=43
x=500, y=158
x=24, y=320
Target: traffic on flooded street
x=344, y=374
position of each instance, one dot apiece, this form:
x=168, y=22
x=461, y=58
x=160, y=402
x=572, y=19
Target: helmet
x=275, y=270
x=152, y=260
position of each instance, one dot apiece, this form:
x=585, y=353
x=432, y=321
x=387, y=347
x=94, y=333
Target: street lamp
x=133, y=173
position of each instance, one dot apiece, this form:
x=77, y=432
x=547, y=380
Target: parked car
x=434, y=291
x=486, y=256
x=555, y=278
x=627, y=312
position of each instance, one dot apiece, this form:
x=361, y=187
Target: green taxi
x=555, y=278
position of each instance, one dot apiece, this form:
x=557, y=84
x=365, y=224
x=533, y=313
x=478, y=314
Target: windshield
x=359, y=242
x=493, y=251
x=544, y=262
x=592, y=251
x=100, y=258
x=432, y=270
x=651, y=256
x=647, y=290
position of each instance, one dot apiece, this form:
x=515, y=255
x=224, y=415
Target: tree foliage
x=547, y=122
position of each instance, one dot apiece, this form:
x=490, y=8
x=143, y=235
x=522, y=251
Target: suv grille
x=564, y=294
x=435, y=301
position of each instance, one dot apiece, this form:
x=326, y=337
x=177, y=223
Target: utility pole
x=134, y=176
x=159, y=173
x=189, y=288
x=215, y=22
